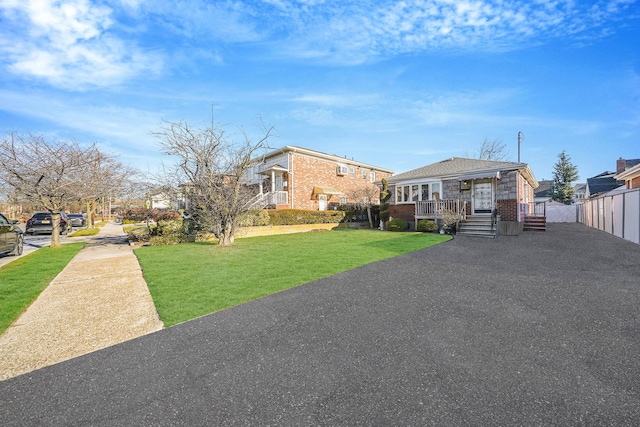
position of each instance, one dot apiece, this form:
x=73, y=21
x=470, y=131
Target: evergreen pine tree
x=564, y=173
x=385, y=195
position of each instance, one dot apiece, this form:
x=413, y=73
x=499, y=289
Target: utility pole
x=520, y=138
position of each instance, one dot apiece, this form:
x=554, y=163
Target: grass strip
x=22, y=280
x=190, y=280
x=89, y=231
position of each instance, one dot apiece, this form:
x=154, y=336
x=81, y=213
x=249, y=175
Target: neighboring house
x=544, y=191
x=167, y=201
x=601, y=184
x=477, y=188
x=300, y=178
x=629, y=172
x=579, y=192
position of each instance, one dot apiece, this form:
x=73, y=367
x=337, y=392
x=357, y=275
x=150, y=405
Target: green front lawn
x=190, y=280
x=22, y=280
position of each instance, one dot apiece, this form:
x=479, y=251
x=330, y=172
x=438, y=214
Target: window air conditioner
x=342, y=170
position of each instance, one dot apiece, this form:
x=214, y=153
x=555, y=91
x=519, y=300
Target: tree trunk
x=89, y=218
x=226, y=235
x=55, y=230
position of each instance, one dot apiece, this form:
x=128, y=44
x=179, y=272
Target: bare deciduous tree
x=492, y=150
x=103, y=177
x=211, y=171
x=44, y=172
x=363, y=198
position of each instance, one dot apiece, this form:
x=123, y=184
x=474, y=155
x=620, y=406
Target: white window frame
x=408, y=190
x=372, y=176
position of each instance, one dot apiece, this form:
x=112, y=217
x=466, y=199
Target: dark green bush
x=426, y=225
x=298, y=216
x=398, y=224
x=169, y=232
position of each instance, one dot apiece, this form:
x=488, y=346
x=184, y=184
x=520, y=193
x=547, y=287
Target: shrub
x=298, y=216
x=255, y=218
x=165, y=215
x=169, y=232
x=426, y=225
x=169, y=239
x=138, y=234
x=142, y=214
x=398, y=224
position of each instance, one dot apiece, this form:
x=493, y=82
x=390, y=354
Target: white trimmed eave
x=318, y=154
x=524, y=169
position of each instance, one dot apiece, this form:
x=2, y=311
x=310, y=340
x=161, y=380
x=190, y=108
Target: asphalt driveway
x=540, y=329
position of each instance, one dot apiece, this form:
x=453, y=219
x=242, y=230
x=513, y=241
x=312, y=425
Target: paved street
x=540, y=329
x=33, y=242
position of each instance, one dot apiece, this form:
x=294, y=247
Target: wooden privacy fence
x=617, y=214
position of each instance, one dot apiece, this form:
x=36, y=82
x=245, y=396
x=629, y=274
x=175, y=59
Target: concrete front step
x=477, y=226
x=477, y=234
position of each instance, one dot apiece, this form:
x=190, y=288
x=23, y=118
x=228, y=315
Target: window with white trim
x=418, y=192
x=372, y=176
x=352, y=171
x=364, y=174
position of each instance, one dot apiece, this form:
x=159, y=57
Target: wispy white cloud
x=352, y=32
x=111, y=124
x=79, y=44
x=68, y=44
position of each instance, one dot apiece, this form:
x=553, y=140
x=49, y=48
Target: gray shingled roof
x=544, y=189
x=603, y=183
x=629, y=163
x=455, y=166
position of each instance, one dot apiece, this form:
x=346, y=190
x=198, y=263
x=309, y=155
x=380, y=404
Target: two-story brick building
x=300, y=178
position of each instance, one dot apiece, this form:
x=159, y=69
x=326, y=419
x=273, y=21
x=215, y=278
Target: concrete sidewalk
x=98, y=300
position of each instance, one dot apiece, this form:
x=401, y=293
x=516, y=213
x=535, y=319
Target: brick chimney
x=621, y=165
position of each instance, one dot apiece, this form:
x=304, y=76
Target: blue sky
x=396, y=84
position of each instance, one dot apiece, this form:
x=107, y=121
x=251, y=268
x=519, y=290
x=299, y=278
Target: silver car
x=11, y=237
x=78, y=220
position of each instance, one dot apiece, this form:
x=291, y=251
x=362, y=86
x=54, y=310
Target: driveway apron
x=539, y=329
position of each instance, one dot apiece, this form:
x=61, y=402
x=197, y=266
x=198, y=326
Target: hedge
x=298, y=216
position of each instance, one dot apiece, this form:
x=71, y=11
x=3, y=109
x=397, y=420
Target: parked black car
x=78, y=220
x=40, y=222
x=11, y=237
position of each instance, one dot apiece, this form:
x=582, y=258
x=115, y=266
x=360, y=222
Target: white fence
x=617, y=214
x=564, y=213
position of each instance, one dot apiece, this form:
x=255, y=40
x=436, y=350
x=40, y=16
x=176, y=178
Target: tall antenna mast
x=520, y=138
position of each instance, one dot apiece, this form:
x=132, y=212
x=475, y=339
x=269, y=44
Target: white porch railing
x=434, y=208
x=262, y=200
x=279, y=198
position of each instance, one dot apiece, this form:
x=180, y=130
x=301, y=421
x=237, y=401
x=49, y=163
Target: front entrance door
x=322, y=202
x=482, y=197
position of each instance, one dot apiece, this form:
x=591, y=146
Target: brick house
x=481, y=190
x=629, y=172
x=300, y=178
